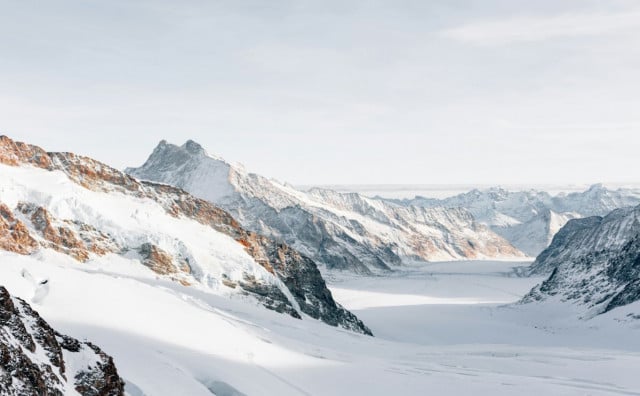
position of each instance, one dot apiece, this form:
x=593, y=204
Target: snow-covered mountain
x=341, y=231
x=82, y=208
x=594, y=263
x=530, y=219
x=36, y=360
x=174, y=290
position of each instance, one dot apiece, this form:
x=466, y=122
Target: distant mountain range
x=530, y=219
x=341, y=231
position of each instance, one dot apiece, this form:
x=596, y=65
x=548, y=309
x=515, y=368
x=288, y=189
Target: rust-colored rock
x=157, y=259
x=92, y=174
x=60, y=238
x=14, y=235
x=15, y=153
x=95, y=240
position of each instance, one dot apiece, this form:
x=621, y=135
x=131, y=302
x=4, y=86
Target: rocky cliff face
x=36, y=360
x=340, y=231
x=103, y=211
x=593, y=262
x=530, y=219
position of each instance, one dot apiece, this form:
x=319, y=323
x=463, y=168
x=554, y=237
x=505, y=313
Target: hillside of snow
x=86, y=210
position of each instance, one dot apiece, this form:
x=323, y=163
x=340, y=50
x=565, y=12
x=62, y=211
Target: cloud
x=530, y=29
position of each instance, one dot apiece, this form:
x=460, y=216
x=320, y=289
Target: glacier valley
x=443, y=328
x=114, y=284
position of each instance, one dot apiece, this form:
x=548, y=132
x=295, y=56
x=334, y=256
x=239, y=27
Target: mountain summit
x=84, y=209
x=37, y=360
x=341, y=231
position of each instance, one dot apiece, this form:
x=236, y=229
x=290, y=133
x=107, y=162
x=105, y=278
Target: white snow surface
x=441, y=328
x=133, y=221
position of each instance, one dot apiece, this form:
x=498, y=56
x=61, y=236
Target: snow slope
x=341, y=231
x=169, y=339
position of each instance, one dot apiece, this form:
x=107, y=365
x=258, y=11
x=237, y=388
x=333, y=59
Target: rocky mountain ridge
x=36, y=360
x=341, y=231
x=85, y=209
x=593, y=263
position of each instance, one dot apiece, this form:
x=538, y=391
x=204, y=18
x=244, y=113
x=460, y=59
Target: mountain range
x=530, y=219
x=340, y=231
x=85, y=209
x=170, y=267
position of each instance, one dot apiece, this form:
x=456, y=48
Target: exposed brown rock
x=163, y=263
x=92, y=174
x=15, y=153
x=59, y=237
x=95, y=240
x=14, y=235
x=157, y=259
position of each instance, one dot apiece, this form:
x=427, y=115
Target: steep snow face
x=37, y=360
x=84, y=209
x=187, y=164
x=594, y=263
x=530, y=219
x=341, y=231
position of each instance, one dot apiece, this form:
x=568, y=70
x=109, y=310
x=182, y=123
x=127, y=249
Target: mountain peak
x=597, y=187
x=194, y=147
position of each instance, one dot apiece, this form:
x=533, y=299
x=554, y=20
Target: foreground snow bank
x=168, y=339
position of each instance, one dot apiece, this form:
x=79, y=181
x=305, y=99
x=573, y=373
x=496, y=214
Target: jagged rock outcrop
x=593, y=262
x=217, y=252
x=530, y=219
x=14, y=235
x=36, y=360
x=340, y=231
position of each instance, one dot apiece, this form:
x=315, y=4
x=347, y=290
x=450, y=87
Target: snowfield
x=441, y=328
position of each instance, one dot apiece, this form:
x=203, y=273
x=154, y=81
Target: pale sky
x=334, y=92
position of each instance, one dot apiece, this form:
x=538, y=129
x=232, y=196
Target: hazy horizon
x=441, y=92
